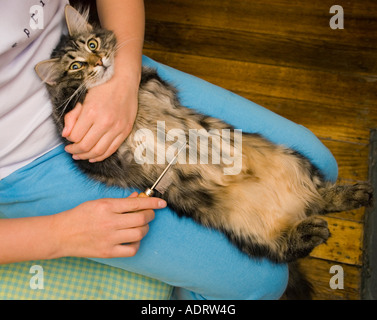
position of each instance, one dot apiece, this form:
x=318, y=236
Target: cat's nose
x=99, y=62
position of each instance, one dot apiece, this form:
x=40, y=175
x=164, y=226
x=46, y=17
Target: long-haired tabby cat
x=269, y=208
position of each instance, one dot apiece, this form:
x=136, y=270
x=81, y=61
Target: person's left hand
x=99, y=126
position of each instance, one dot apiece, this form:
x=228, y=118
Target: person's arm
x=96, y=228
x=105, y=119
x=126, y=19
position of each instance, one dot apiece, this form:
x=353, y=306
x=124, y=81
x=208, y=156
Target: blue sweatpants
x=176, y=250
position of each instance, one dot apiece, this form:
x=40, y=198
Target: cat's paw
x=359, y=195
x=347, y=197
x=307, y=235
x=312, y=231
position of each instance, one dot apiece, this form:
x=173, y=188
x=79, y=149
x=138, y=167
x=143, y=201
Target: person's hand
x=100, y=125
x=105, y=228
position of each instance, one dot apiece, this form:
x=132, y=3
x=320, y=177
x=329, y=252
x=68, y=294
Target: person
x=97, y=131
x=53, y=210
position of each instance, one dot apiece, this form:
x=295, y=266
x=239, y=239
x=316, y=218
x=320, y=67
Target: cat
x=270, y=208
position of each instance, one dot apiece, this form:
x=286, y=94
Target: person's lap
x=176, y=250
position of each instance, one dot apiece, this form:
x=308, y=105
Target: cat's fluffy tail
x=299, y=287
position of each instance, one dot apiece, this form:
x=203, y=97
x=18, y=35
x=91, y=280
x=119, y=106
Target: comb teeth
x=165, y=179
x=165, y=182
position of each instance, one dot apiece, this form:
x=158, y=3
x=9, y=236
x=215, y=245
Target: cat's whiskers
x=83, y=86
x=66, y=102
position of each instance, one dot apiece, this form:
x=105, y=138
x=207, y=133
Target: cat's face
x=86, y=55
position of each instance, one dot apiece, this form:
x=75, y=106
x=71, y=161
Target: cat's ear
x=47, y=71
x=77, y=23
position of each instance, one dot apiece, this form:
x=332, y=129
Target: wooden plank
x=352, y=160
x=318, y=272
x=345, y=243
x=298, y=52
x=329, y=122
x=356, y=215
x=309, y=20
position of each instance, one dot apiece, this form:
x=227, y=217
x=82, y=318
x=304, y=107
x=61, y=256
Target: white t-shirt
x=30, y=29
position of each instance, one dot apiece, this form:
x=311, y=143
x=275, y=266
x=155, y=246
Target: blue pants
x=176, y=250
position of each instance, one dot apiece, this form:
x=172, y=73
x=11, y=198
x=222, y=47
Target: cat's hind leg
x=294, y=243
x=303, y=237
x=346, y=197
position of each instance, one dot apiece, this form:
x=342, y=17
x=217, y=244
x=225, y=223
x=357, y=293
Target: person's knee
x=264, y=281
x=271, y=284
x=267, y=281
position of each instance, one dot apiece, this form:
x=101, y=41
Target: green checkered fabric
x=76, y=279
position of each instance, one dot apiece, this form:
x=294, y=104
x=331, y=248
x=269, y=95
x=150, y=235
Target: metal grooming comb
x=163, y=181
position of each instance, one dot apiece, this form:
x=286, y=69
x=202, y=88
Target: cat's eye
x=77, y=65
x=93, y=44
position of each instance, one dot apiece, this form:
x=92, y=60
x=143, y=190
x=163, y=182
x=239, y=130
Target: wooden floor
x=283, y=55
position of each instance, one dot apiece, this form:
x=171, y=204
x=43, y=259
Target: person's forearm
x=96, y=229
x=26, y=239
x=126, y=19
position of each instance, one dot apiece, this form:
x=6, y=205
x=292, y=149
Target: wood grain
x=258, y=47
x=318, y=272
x=327, y=121
x=286, y=19
x=343, y=90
